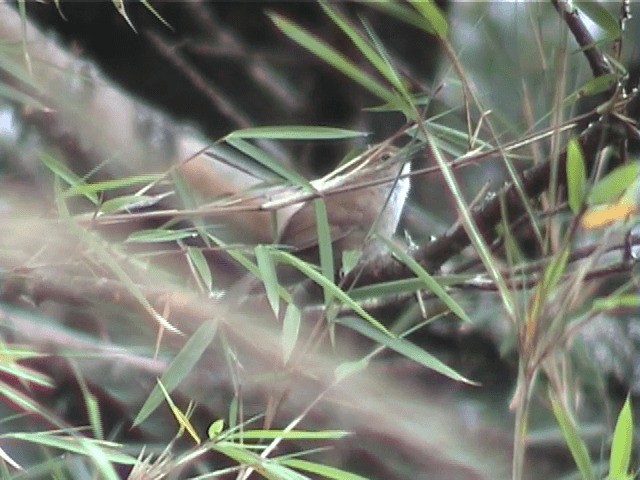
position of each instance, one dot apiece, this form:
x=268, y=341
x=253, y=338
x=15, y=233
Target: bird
x=364, y=196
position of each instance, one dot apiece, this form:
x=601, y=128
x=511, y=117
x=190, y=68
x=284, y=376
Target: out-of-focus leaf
x=296, y=132
x=405, y=348
x=199, y=263
x=613, y=185
x=627, y=300
x=576, y=175
x=432, y=13
x=576, y=445
x=267, y=269
x=324, y=246
x=594, y=86
x=429, y=282
x=335, y=291
x=159, y=235
x=180, y=367
x=215, y=428
x=621, y=444
x=335, y=59
x=601, y=17
x=290, y=331
x=286, y=435
x=324, y=471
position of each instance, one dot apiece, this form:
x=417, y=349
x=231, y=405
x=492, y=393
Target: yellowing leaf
x=604, y=215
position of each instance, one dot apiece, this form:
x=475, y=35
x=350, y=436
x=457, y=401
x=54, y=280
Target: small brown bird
x=366, y=194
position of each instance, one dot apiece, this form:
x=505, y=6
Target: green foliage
x=570, y=432
x=576, y=175
x=182, y=364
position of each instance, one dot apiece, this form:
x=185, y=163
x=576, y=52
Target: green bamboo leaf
x=335, y=59
x=550, y=278
x=290, y=331
x=576, y=175
x=74, y=444
x=119, y=4
x=267, y=269
x=429, y=282
x=320, y=469
x=296, y=132
x=215, y=428
x=597, y=85
x=286, y=435
x=91, y=404
x=378, y=59
x=179, y=368
x=627, y=300
x=614, y=184
x=554, y=271
x=269, y=469
x=335, y=291
x=621, y=444
x=64, y=173
x=601, y=17
x=325, y=246
x=156, y=14
x=403, y=286
x=201, y=266
x=432, y=13
x=405, y=348
x=268, y=161
x=576, y=445
x=17, y=68
x=405, y=14
x=181, y=418
x=26, y=374
x=233, y=412
x=159, y=235
x=123, y=203
x=114, y=184
x=10, y=93
x=346, y=369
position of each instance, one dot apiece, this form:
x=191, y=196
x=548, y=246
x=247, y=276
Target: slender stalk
x=521, y=402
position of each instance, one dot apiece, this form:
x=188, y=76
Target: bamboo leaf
x=296, y=132
x=405, y=348
x=267, y=269
x=179, y=368
x=324, y=282
x=621, y=444
x=290, y=331
x=576, y=445
x=335, y=59
x=576, y=175
x=614, y=184
x=429, y=282
x=432, y=13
